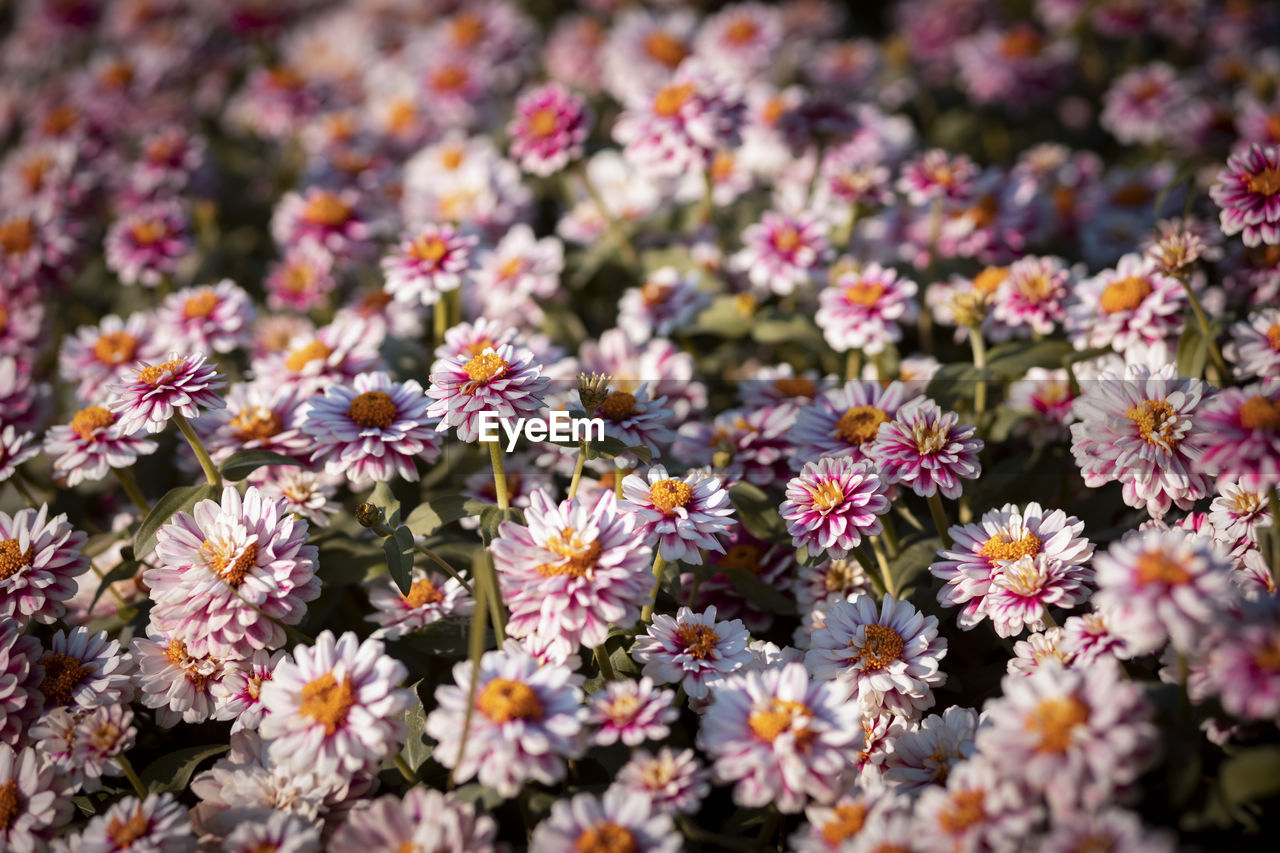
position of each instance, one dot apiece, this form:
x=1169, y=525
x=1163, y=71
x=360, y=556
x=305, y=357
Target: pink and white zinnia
x=832, y=503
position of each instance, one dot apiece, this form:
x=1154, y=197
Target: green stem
x=24, y=488
x=440, y=319
x=615, y=227
x=475, y=644
x=1049, y=621
x=939, y=518
x=979, y=362
x=606, y=665
x=852, y=364
x=659, y=566
x=891, y=543
x=1202, y=320
x=210, y=470
x=132, y=775
x=130, y=485
x=890, y=587
x=405, y=770
x=453, y=573
x=577, y=470
x=619, y=474
x=496, y=612
x=499, y=475
x=1273, y=502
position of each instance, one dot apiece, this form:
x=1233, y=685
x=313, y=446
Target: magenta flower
x=145, y=246
x=427, y=264
x=21, y=700
x=1242, y=436
x=684, y=515
x=334, y=221
x=692, y=650
x=212, y=318
x=926, y=449
x=40, y=558
x=183, y=384
x=503, y=380
x=548, y=130
x=865, y=310
x=631, y=712
x=832, y=503
x=782, y=252
x=1248, y=191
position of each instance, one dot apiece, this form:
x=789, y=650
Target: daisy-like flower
x=225, y=564
x=1248, y=191
x=1241, y=667
x=783, y=252
x=212, y=318
x=1143, y=104
x=99, y=739
x=863, y=310
x=97, y=355
x=673, y=782
x=631, y=712
x=278, y=832
x=1037, y=650
x=40, y=558
x=257, y=416
x=431, y=597
x=428, y=263
x=528, y=719
x=668, y=300
x=1158, y=585
x=334, y=221
x=238, y=693
x=684, y=515
x=302, y=280
x=1242, y=434
x=173, y=682
x=15, y=448
x=20, y=697
x=635, y=420
x=993, y=548
x=1045, y=397
x=158, y=824
x=844, y=421
x=149, y=398
x=1238, y=514
x=91, y=445
x=1022, y=590
x=1033, y=295
x=1086, y=638
x=310, y=362
x=692, y=650
x=1142, y=429
x=1254, y=349
x=1131, y=305
x=742, y=36
x=935, y=174
x=816, y=587
x=1106, y=829
x=891, y=656
x=979, y=809
x=832, y=503
x=1078, y=736
x=423, y=820
x=305, y=493
x=572, y=570
x=520, y=268
x=336, y=706
x=771, y=563
x=620, y=820
x=782, y=738
x=926, y=755
x=84, y=670
x=836, y=827
x=927, y=450
x=54, y=737
x=548, y=128
x=145, y=246
x=504, y=380
x=372, y=430
x=32, y=804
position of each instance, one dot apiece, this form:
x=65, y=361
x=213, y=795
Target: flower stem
x=1273, y=502
x=210, y=470
x=475, y=650
x=577, y=470
x=659, y=566
x=939, y=518
x=852, y=364
x=1049, y=621
x=615, y=227
x=130, y=485
x=24, y=488
x=405, y=770
x=891, y=544
x=886, y=574
x=1202, y=320
x=606, y=666
x=496, y=613
x=619, y=475
x=132, y=775
x=979, y=362
x=499, y=475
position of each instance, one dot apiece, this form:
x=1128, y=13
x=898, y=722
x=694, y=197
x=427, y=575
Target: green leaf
x=909, y=565
x=757, y=512
x=399, y=550
x=1193, y=350
x=181, y=499
x=173, y=772
x=759, y=593
x=429, y=516
x=793, y=328
x=123, y=572
x=491, y=517
x=346, y=563
x=1251, y=775
x=723, y=318
x=479, y=795
x=417, y=749
x=242, y=464
x=384, y=499
x=1014, y=359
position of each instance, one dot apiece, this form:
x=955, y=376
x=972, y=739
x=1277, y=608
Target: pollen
x=504, y=700
x=62, y=674
x=1156, y=421
x=467, y=28
x=115, y=348
x=1021, y=43
x=125, y=832
x=10, y=804
x=1273, y=336
x=1054, y=720
x=200, y=304
x=429, y=249
x=176, y=652
x=782, y=715
x=422, y=593
x=846, y=822
x=1002, y=546
x=149, y=232
x=617, y=406
x=786, y=239
x=990, y=279
x=13, y=559
x=305, y=354
x=795, y=386
x=606, y=837
x=669, y=495
x=864, y=293
x=827, y=496
x=16, y=236
x=1258, y=412
x=256, y=423
x=328, y=701
x=543, y=122
x=665, y=49
x=670, y=100
x=578, y=558
x=327, y=209
x=1126, y=294
x=89, y=420
x=1158, y=566
x=373, y=410
x=699, y=640
x=486, y=367
x=859, y=424
x=233, y=571
x=654, y=294
x=881, y=646
x=964, y=810
x=1266, y=182
x=154, y=373
x=449, y=79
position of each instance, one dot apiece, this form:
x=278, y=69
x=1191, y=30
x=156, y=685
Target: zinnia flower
x=427, y=264
x=91, y=445
x=20, y=698
x=927, y=450
x=832, y=503
x=548, y=128
x=683, y=515
x=783, y=252
x=864, y=310
x=620, y=820
x=431, y=597
x=159, y=823
x=34, y=805
x=39, y=559
x=503, y=380
x=422, y=820
x=1248, y=191
x=183, y=384
x=631, y=712
x=692, y=650
x=1242, y=436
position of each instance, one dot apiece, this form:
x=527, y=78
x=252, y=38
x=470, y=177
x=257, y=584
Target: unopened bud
x=369, y=516
x=593, y=388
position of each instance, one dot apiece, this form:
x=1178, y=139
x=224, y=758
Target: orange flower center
x=699, y=640
x=1258, y=412
x=486, y=367
x=449, y=79
x=670, y=100
x=12, y=559
x=154, y=373
x=795, y=386
x=1156, y=422
x=200, y=304
x=782, y=715
x=307, y=353
x=990, y=279
x=125, y=832
x=504, y=700
x=669, y=495
x=606, y=837
x=327, y=701
x=1125, y=294
x=743, y=556
x=34, y=171
x=256, y=423
x=1273, y=336
x=1002, y=546
x=176, y=652
x=11, y=802
x=846, y=822
x=115, y=348
x=89, y=420
x=827, y=496
x=859, y=424
x=654, y=293
x=617, y=406
x=60, y=120
x=1054, y=720
x=451, y=158
x=429, y=249
x=543, y=122
x=422, y=593
x=1159, y=567
x=1266, y=182
x=1021, y=42
x=741, y=31
x=579, y=557
x=232, y=568
x=467, y=28
x=665, y=49
x=881, y=646
x=864, y=293
x=148, y=233
x=327, y=209
x=373, y=410
x=16, y=236
x=62, y=674
x=721, y=168
x=964, y=810
x=786, y=239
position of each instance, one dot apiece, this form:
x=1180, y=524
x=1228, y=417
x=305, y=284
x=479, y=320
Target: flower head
x=926, y=449
x=692, y=649
x=631, y=712
x=150, y=397
x=40, y=558
x=548, y=129
x=684, y=515
x=428, y=263
x=620, y=820
x=503, y=380
x=832, y=503
x=1248, y=191
x=864, y=310
x=92, y=444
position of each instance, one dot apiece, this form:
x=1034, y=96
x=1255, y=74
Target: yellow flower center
x=743, y=556
x=827, y=496
x=1021, y=42
x=846, y=822
x=486, y=367
x=373, y=410
x=327, y=209
x=670, y=100
x=449, y=79
x=617, y=406
x=148, y=233
x=669, y=495
x=1273, y=336
x=200, y=304
x=154, y=373
x=125, y=832
x=231, y=567
x=62, y=673
x=786, y=239
x=1266, y=182
x=1156, y=422
x=881, y=646
x=990, y=279
x=176, y=652
x=89, y=420
x=782, y=715
x=741, y=31
x=864, y=293
x=1126, y=294
x=305, y=354
x=964, y=810
x=115, y=348
x=1258, y=412
x=13, y=560
x=579, y=557
x=1054, y=720
x=504, y=700
x=430, y=249
x=665, y=49
x=327, y=701
x=11, y=802
x=16, y=236
x=1001, y=546
x=543, y=122
x=606, y=837
x=422, y=593
x=1160, y=567
x=256, y=423
x=467, y=28
x=859, y=424
x=795, y=386
x=699, y=640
